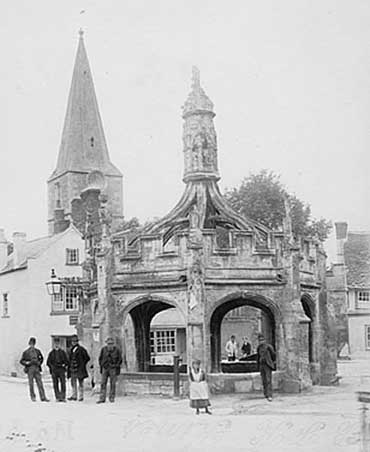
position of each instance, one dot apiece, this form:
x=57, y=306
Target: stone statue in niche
x=195, y=234
x=202, y=151
x=195, y=286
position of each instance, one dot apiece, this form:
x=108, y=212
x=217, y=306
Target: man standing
x=266, y=364
x=110, y=360
x=31, y=360
x=231, y=349
x=58, y=364
x=78, y=358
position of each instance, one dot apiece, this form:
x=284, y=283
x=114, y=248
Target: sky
x=290, y=81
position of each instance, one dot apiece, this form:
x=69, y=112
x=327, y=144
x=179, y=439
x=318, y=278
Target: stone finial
x=196, y=77
x=197, y=99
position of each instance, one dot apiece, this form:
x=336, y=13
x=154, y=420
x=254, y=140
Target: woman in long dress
x=199, y=397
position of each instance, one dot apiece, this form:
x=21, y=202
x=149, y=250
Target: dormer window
x=92, y=142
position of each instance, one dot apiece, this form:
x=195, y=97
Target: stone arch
x=142, y=310
x=232, y=301
x=310, y=310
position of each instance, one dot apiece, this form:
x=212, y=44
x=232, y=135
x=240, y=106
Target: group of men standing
x=71, y=365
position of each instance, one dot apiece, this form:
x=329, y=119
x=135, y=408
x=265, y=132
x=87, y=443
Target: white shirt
x=231, y=348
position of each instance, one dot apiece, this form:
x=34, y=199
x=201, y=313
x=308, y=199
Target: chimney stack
x=3, y=249
x=341, y=229
x=19, y=242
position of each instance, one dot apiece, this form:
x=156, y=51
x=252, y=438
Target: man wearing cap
x=266, y=364
x=78, y=358
x=31, y=360
x=58, y=364
x=110, y=360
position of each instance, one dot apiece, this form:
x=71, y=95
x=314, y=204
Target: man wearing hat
x=31, y=360
x=58, y=364
x=78, y=358
x=266, y=364
x=110, y=360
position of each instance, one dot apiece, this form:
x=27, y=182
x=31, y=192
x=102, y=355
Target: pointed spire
x=197, y=99
x=83, y=147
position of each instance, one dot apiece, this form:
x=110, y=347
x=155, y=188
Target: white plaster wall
x=30, y=304
x=356, y=330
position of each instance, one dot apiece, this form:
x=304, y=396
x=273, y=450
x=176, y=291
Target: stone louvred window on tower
x=92, y=142
x=5, y=305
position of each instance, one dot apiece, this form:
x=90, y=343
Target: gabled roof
x=32, y=249
x=83, y=147
x=357, y=259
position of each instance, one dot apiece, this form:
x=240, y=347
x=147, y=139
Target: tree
x=260, y=197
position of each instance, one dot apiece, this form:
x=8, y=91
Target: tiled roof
x=357, y=259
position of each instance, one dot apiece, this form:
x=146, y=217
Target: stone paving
x=326, y=419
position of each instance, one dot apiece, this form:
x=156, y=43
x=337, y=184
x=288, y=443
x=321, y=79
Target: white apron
x=198, y=389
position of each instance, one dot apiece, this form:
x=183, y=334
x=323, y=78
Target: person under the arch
x=266, y=362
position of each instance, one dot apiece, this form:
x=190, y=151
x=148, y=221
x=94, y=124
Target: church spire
x=83, y=154
x=199, y=136
x=83, y=147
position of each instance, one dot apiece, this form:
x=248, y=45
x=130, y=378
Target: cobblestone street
x=326, y=419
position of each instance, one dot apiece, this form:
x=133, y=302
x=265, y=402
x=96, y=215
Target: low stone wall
x=150, y=383
x=241, y=383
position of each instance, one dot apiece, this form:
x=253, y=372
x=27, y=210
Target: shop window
x=162, y=341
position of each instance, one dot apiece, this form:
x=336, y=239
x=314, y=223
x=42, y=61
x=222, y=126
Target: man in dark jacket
x=31, y=360
x=110, y=360
x=58, y=364
x=78, y=358
x=266, y=364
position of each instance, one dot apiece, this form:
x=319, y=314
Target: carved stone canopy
x=201, y=205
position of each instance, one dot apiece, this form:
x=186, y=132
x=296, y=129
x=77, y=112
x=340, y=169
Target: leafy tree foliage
x=261, y=198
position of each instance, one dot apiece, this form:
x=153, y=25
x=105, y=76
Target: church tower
x=83, y=159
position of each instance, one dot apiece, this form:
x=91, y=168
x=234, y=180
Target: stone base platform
x=159, y=383
x=226, y=383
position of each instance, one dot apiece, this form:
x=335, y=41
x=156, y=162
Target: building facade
x=349, y=284
x=26, y=308
x=204, y=260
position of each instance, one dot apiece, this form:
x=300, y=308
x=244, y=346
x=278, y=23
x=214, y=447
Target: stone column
x=196, y=297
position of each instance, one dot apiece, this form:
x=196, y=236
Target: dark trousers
x=35, y=374
x=266, y=376
x=112, y=375
x=59, y=384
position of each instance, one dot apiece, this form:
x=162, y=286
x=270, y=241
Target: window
x=367, y=336
x=5, y=305
x=58, y=302
x=67, y=300
x=71, y=298
x=163, y=341
x=72, y=256
x=57, y=195
x=236, y=313
x=363, y=296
